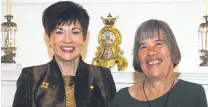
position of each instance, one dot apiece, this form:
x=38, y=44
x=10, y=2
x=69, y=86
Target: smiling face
x=154, y=57
x=67, y=41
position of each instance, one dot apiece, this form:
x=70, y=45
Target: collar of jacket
x=82, y=67
x=82, y=90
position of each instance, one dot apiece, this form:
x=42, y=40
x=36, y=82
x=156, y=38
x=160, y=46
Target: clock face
x=108, y=37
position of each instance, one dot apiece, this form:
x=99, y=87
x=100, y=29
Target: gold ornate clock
x=108, y=52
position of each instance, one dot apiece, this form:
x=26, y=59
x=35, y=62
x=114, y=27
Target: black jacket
x=31, y=93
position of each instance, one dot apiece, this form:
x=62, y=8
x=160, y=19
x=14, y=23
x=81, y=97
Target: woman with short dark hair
x=66, y=81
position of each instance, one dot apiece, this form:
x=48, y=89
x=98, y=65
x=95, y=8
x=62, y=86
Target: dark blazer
x=43, y=86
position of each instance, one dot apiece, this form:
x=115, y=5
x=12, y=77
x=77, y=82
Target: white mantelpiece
x=9, y=75
x=11, y=72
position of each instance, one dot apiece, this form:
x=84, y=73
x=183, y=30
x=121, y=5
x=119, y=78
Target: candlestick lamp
x=8, y=31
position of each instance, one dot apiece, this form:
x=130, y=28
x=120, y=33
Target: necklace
x=69, y=80
x=166, y=98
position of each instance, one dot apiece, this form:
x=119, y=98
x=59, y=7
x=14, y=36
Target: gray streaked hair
x=147, y=30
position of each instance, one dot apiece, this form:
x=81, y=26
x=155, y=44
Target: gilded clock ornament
x=108, y=52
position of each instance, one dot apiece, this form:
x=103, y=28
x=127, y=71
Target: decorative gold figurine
x=108, y=52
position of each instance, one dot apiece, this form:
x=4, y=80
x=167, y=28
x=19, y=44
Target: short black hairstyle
x=65, y=12
x=147, y=30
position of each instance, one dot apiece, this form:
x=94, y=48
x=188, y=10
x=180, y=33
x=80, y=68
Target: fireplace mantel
x=11, y=72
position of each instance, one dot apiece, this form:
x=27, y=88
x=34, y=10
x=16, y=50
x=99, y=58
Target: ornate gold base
x=108, y=57
x=110, y=63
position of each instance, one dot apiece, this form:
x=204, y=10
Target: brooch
x=44, y=84
x=92, y=87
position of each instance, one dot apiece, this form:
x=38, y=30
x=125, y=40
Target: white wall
x=183, y=16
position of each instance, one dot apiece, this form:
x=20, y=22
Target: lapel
x=53, y=91
x=83, y=85
x=56, y=80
